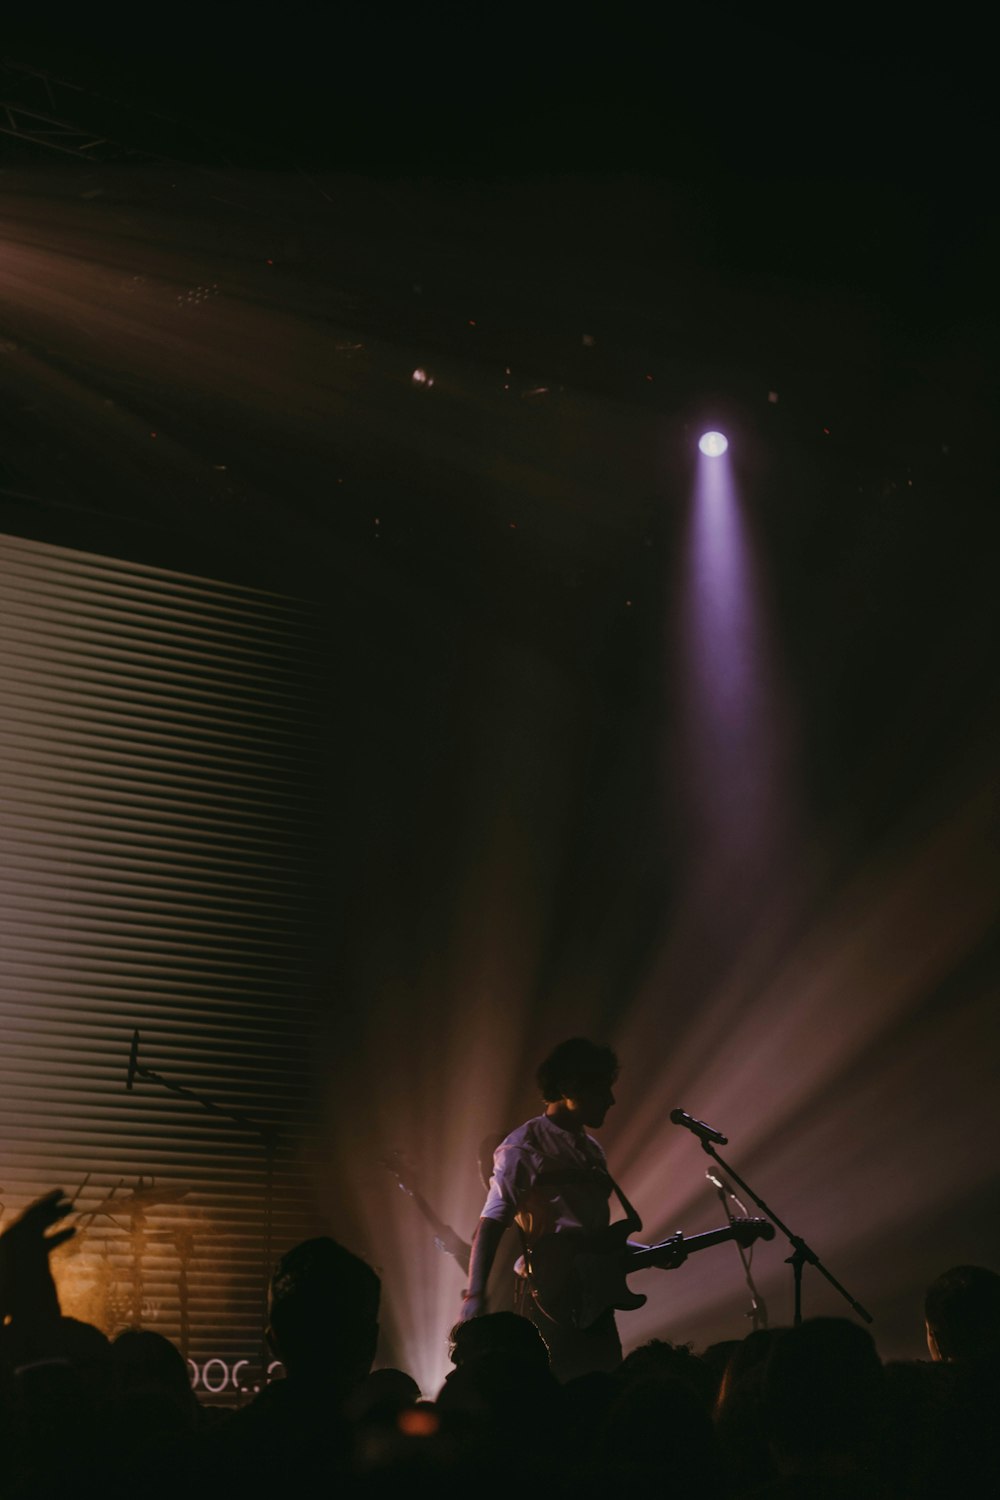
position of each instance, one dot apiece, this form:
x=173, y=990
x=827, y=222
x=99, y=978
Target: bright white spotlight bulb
x=713, y=444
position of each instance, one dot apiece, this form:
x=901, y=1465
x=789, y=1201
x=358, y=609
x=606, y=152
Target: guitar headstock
x=399, y=1165
x=747, y=1231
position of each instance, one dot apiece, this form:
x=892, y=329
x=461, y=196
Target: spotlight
x=713, y=444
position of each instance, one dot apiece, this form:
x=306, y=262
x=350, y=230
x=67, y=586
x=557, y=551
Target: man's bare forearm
x=484, y=1249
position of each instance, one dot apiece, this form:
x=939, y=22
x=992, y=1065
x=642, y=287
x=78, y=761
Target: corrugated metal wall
x=159, y=764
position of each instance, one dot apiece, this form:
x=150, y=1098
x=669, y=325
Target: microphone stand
x=801, y=1253
x=269, y=1138
x=758, y=1308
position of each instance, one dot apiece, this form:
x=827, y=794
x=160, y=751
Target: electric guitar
x=575, y=1277
x=446, y=1239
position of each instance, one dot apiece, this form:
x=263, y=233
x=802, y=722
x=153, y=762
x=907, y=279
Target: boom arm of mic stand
x=801, y=1253
x=268, y=1134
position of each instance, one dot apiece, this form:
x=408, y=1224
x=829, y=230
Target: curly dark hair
x=504, y=1333
x=574, y=1062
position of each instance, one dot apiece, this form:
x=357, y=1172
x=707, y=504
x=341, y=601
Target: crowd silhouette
x=791, y=1412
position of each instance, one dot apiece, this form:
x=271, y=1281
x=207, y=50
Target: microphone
x=704, y=1132
x=133, y=1060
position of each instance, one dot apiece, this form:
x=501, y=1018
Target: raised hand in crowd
x=29, y=1303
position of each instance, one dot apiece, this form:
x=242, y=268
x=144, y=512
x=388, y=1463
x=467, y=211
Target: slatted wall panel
x=158, y=772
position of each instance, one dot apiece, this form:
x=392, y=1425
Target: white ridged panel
x=158, y=774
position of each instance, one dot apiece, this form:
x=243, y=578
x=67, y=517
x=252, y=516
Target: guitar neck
x=577, y=1277
x=445, y=1237
x=652, y=1256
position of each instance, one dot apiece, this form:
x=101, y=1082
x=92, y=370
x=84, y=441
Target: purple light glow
x=732, y=767
x=713, y=444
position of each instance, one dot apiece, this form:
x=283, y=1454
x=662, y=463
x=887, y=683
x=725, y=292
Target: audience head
x=962, y=1314
x=499, y=1333
x=381, y=1396
x=746, y=1362
x=143, y=1361
x=658, y=1432
x=323, y=1314
x=739, y=1412
x=823, y=1388
x=80, y=1343
x=661, y=1360
x=501, y=1365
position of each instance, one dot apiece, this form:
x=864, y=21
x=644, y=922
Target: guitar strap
x=632, y=1218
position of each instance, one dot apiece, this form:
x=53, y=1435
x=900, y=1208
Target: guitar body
x=577, y=1277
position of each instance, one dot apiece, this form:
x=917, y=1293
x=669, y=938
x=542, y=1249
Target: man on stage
x=551, y=1177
